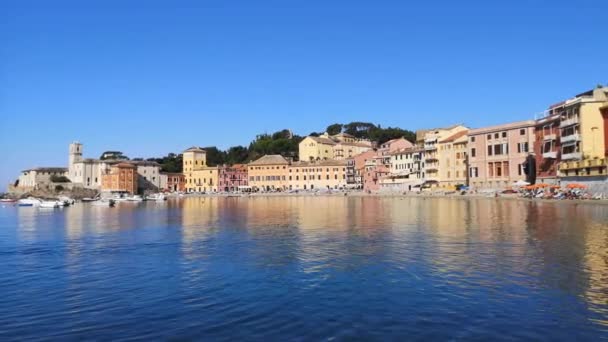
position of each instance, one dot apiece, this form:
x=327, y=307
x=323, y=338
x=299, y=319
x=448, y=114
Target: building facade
x=339, y=146
x=269, y=173
x=452, y=158
x=122, y=177
x=41, y=178
x=547, y=147
x=173, y=182
x=233, y=178
x=582, y=125
x=430, y=139
x=324, y=174
x=406, y=170
x=497, y=153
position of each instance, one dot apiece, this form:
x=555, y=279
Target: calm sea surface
x=306, y=268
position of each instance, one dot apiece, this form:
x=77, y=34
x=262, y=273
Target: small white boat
x=157, y=197
x=29, y=202
x=104, y=203
x=7, y=200
x=49, y=204
x=66, y=201
x=135, y=198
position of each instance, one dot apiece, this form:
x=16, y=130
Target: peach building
x=122, y=177
x=496, y=154
x=269, y=173
x=324, y=174
x=452, y=156
x=430, y=139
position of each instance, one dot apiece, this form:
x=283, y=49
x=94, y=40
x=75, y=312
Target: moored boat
x=29, y=202
x=104, y=203
x=49, y=204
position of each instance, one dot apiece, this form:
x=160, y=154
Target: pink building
x=496, y=154
x=232, y=178
x=372, y=166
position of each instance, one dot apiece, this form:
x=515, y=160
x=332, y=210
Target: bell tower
x=75, y=152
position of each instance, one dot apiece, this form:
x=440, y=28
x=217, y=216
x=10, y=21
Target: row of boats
x=98, y=201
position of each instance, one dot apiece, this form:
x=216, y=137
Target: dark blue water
x=311, y=268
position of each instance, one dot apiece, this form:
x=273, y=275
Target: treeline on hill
x=284, y=143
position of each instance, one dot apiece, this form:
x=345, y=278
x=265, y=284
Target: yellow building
x=582, y=131
x=324, y=174
x=199, y=177
x=430, y=139
x=339, y=146
x=269, y=173
x=452, y=153
x=316, y=148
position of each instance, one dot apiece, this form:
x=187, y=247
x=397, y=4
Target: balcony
x=569, y=122
x=432, y=168
x=571, y=137
x=572, y=165
x=572, y=156
x=549, y=137
x=430, y=147
x=430, y=158
x=550, y=155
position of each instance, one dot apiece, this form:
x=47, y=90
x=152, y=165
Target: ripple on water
x=306, y=268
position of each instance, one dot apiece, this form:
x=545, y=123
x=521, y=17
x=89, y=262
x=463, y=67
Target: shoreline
x=398, y=195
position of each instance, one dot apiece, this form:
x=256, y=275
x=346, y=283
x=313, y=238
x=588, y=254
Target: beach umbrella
x=542, y=185
x=576, y=186
x=555, y=186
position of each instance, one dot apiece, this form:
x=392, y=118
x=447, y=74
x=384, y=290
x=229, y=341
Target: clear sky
x=150, y=77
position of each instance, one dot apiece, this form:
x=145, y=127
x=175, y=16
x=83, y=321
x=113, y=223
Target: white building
x=88, y=173
x=406, y=170
x=40, y=177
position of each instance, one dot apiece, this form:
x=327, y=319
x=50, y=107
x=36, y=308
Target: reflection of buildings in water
x=198, y=221
x=596, y=267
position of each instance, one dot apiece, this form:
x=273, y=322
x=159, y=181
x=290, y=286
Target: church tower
x=75, y=153
x=75, y=157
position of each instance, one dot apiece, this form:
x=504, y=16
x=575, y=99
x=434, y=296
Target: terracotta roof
x=270, y=159
x=355, y=144
x=126, y=165
x=413, y=149
x=195, y=149
x=144, y=163
x=503, y=127
x=326, y=162
x=322, y=140
x=454, y=136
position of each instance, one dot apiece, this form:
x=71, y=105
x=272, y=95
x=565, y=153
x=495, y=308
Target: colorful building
x=406, y=170
x=583, y=129
x=339, y=146
x=233, y=178
x=269, y=173
x=497, y=153
x=174, y=182
x=323, y=174
x=122, y=177
x=547, y=148
x=430, y=139
x=452, y=157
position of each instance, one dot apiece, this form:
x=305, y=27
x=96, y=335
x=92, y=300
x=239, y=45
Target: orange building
x=122, y=177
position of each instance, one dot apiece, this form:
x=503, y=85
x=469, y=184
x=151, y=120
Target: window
x=473, y=152
x=522, y=132
x=489, y=150
x=495, y=135
x=489, y=136
x=504, y=134
x=474, y=172
x=472, y=139
x=522, y=147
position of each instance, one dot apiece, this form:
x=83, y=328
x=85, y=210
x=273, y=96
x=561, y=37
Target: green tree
x=334, y=129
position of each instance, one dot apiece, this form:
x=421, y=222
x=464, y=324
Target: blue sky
x=151, y=77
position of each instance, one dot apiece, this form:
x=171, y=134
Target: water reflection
x=431, y=268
